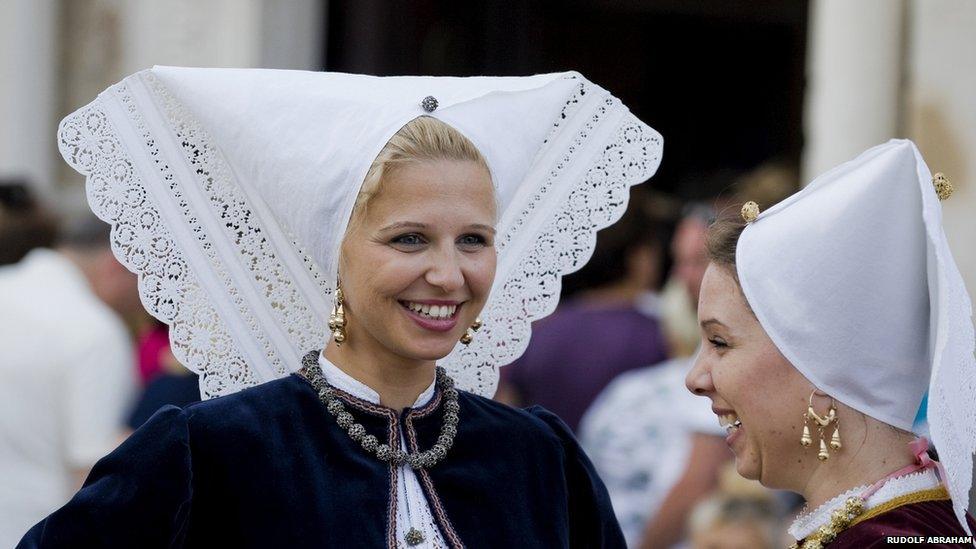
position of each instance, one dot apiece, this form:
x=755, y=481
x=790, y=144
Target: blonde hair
x=422, y=139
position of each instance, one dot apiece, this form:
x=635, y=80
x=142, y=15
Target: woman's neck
x=881, y=454
x=398, y=381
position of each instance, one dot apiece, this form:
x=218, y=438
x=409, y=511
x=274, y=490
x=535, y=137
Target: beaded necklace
x=417, y=460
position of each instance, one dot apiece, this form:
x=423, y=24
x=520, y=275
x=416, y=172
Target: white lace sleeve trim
x=808, y=523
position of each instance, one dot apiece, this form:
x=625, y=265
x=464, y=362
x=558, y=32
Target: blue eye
x=411, y=239
x=472, y=240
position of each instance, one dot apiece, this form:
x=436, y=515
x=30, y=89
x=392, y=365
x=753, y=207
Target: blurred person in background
x=153, y=349
x=24, y=223
x=740, y=515
x=169, y=383
x=657, y=448
x=66, y=370
x=680, y=294
x=605, y=327
x=766, y=184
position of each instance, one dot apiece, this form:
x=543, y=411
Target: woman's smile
x=730, y=421
x=418, y=265
x=434, y=315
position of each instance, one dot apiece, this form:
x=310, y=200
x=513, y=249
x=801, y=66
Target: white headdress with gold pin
x=853, y=280
x=229, y=191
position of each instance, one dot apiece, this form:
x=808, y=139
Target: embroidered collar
x=808, y=523
x=345, y=382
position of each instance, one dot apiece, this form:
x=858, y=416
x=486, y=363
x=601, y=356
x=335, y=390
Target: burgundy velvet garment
x=925, y=519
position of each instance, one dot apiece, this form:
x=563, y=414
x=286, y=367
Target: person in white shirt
x=66, y=371
x=666, y=457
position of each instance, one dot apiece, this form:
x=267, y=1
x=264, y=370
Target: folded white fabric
x=853, y=280
x=229, y=191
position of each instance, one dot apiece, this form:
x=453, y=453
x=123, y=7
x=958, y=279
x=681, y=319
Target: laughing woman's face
x=754, y=390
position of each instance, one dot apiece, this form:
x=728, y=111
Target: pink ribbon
x=920, y=448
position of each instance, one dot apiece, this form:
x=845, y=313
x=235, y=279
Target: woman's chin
x=433, y=349
x=747, y=468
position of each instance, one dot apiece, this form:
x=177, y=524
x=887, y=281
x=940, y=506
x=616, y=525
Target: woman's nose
x=445, y=272
x=699, y=378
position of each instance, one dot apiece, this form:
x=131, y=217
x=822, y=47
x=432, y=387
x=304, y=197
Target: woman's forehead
x=444, y=187
x=721, y=297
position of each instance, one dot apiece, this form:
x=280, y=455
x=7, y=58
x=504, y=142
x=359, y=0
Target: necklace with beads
x=840, y=519
x=853, y=511
x=312, y=372
x=417, y=460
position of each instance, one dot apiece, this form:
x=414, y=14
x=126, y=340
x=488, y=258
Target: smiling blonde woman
x=414, y=227
x=824, y=320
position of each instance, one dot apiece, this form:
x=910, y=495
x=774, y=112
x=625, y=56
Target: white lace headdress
x=229, y=191
x=853, y=280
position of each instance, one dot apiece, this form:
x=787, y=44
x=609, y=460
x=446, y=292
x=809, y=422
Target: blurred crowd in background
x=611, y=361
x=752, y=99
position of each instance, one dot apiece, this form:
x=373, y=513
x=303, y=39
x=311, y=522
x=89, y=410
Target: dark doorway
x=722, y=81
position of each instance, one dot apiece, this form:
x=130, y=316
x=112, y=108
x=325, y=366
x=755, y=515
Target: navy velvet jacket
x=269, y=467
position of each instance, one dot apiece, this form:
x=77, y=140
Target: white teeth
x=728, y=420
x=433, y=311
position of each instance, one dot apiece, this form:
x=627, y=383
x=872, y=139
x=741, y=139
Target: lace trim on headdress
x=951, y=406
x=589, y=201
x=244, y=302
x=230, y=242
x=808, y=523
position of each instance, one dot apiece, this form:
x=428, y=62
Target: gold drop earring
x=822, y=423
x=337, y=320
x=468, y=336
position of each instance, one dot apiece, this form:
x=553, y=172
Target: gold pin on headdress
x=750, y=211
x=943, y=187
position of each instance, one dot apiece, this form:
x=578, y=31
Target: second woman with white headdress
x=825, y=320
x=446, y=209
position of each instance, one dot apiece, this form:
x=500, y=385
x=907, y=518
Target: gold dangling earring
x=835, y=440
x=337, y=320
x=468, y=336
x=822, y=423
x=823, y=455
x=805, y=439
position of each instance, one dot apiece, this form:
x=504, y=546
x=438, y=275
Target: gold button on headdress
x=750, y=211
x=943, y=187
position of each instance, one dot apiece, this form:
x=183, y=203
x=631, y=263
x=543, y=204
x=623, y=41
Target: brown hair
x=723, y=238
x=25, y=223
x=721, y=244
